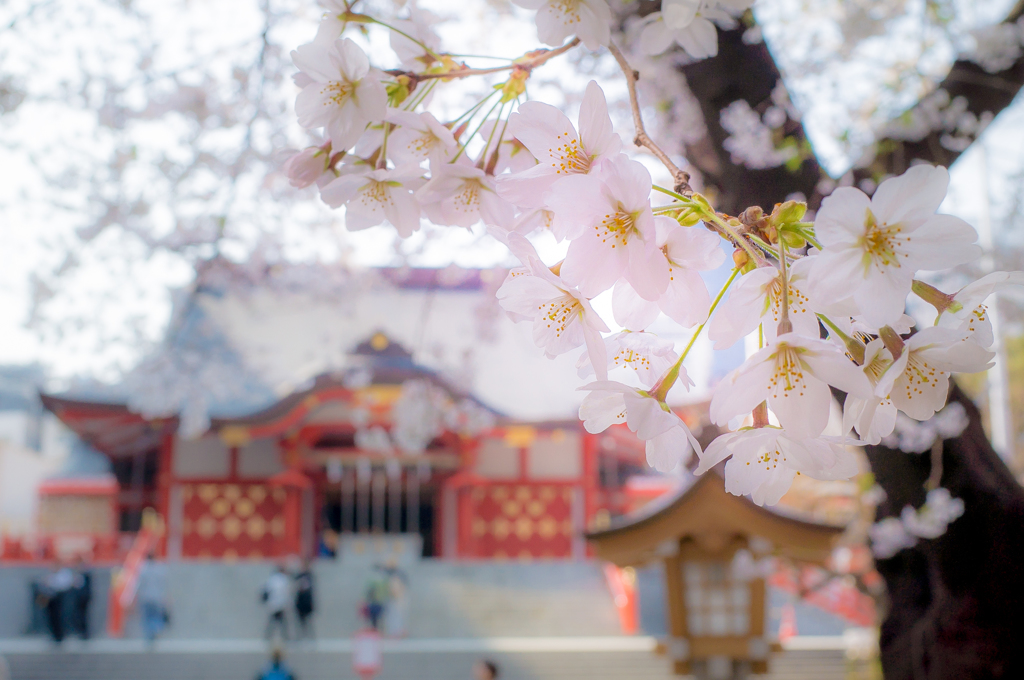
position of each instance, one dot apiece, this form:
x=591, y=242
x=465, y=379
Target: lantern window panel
x=716, y=604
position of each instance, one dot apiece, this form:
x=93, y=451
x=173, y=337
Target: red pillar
x=164, y=480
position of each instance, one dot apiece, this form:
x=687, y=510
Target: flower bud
x=788, y=212
x=752, y=215
x=306, y=166
x=740, y=257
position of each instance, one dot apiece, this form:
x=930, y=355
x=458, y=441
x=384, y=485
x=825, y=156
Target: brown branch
x=527, y=62
x=680, y=177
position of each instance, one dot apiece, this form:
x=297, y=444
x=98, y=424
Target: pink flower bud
x=306, y=167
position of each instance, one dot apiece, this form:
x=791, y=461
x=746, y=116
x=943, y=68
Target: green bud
x=788, y=212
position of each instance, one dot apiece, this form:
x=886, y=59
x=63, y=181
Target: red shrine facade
x=292, y=479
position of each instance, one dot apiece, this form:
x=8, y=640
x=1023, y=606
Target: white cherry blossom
x=590, y=20
x=461, y=195
x=561, y=153
x=917, y=382
x=687, y=251
x=873, y=247
x=669, y=441
x=418, y=137
x=874, y=417
x=765, y=460
x=373, y=197
x=757, y=298
x=618, y=234
x=679, y=22
x=645, y=353
x=972, y=317
x=512, y=153
x=343, y=95
x=562, y=318
x=794, y=372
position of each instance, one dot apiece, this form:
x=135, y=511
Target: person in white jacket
x=277, y=595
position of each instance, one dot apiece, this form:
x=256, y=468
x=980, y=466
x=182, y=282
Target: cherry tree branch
x=527, y=62
x=681, y=178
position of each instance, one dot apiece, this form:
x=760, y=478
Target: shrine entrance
x=373, y=498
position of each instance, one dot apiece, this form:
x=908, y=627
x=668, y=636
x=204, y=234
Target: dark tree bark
x=956, y=603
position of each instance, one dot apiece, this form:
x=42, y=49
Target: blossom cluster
x=893, y=534
x=524, y=166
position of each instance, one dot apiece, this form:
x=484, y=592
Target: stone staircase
x=422, y=664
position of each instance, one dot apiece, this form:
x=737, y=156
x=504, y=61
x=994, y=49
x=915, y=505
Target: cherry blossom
x=590, y=20
x=764, y=461
x=376, y=196
x=757, y=298
x=678, y=22
x=917, y=381
x=669, y=441
x=561, y=153
x=562, y=318
x=512, y=153
x=307, y=166
x=794, y=372
x=461, y=195
x=687, y=251
x=971, y=315
x=645, y=353
x=343, y=95
x=618, y=233
x=873, y=247
x=418, y=137
x=873, y=417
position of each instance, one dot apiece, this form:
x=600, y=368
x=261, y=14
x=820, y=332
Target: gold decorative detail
x=523, y=493
x=500, y=555
x=257, y=492
x=277, y=526
x=256, y=527
x=535, y=508
x=186, y=526
x=206, y=526
x=524, y=528
x=231, y=527
x=477, y=494
x=234, y=435
x=547, y=494
x=379, y=342
x=499, y=493
x=232, y=492
x=558, y=435
x=525, y=555
x=220, y=507
x=230, y=555
x=256, y=554
x=186, y=493
x=519, y=436
x=500, y=528
x=244, y=507
x=279, y=495
x=479, y=527
x=207, y=492
x=567, y=495
x=511, y=508
x=547, y=528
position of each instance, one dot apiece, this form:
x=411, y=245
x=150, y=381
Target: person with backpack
x=276, y=668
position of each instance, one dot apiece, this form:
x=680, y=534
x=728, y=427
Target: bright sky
x=23, y=250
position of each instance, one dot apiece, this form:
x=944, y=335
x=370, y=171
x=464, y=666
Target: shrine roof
x=702, y=508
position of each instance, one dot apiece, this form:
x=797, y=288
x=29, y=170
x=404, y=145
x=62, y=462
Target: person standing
x=304, y=603
x=56, y=586
x=152, y=596
x=277, y=596
x=82, y=598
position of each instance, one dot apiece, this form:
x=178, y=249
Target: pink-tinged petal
x=841, y=217
x=803, y=410
x=592, y=318
x=882, y=297
x=718, y=450
x=630, y=310
x=694, y=247
x=943, y=241
x=742, y=389
x=699, y=39
x=678, y=14
x=630, y=183
x=596, y=131
x=600, y=410
x=686, y=300
x=920, y=400
x=834, y=274
x=523, y=294
x=353, y=62
x=312, y=60
x=741, y=312
x=668, y=450
x=829, y=364
x=647, y=271
x=530, y=4
x=913, y=196
x=597, y=351
x=342, y=189
x=552, y=27
x=403, y=212
x=542, y=129
x=891, y=375
x=646, y=417
x=526, y=189
x=593, y=266
x=655, y=38
x=974, y=294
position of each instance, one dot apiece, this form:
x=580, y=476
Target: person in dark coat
x=82, y=598
x=304, y=601
x=56, y=586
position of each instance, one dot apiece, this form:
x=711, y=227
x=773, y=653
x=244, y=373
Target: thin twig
x=680, y=177
x=525, y=64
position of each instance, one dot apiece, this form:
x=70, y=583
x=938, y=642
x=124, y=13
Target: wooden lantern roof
x=705, y=512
